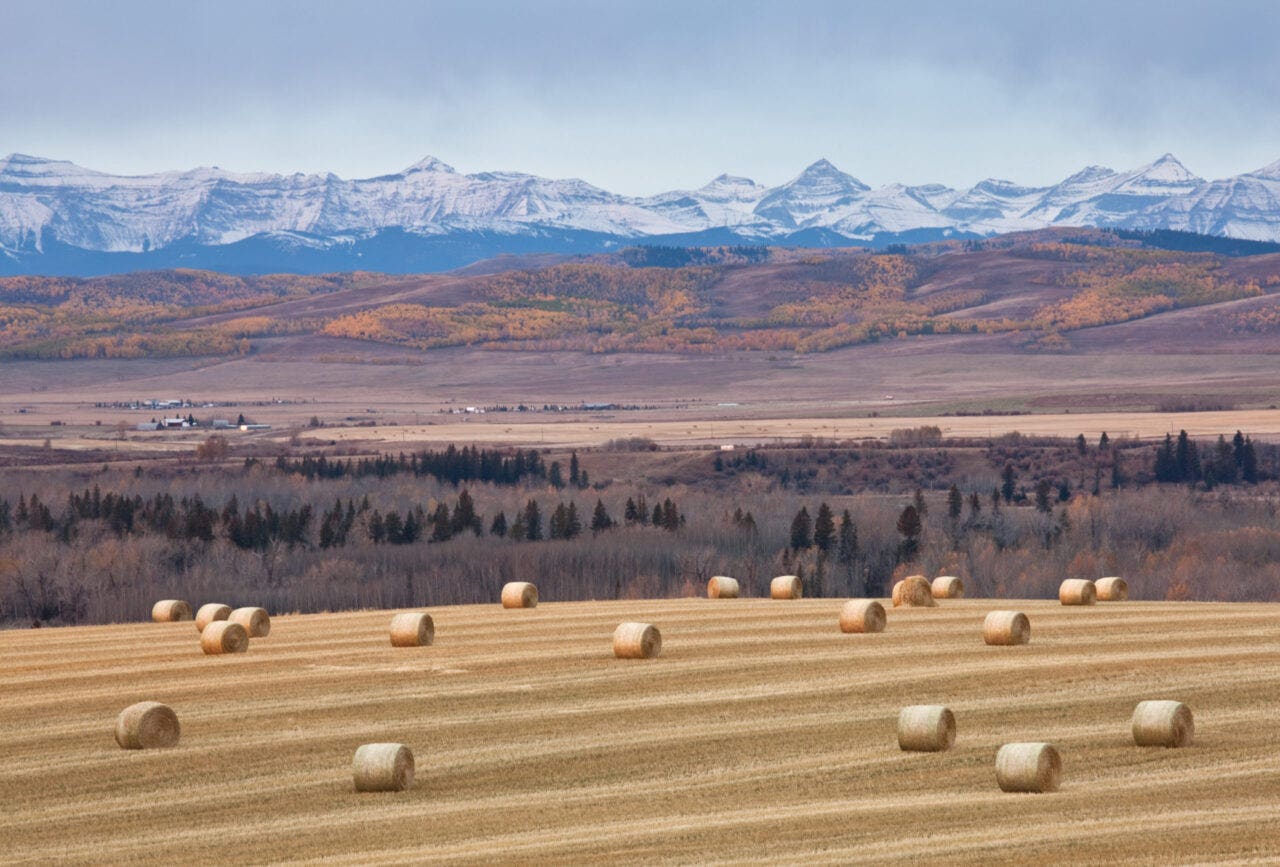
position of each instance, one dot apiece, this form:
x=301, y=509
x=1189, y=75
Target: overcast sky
x=640, y=97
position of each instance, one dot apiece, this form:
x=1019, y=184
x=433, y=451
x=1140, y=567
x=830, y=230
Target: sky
x=641, y=97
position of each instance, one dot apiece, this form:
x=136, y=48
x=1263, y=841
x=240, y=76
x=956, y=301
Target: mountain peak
x=430, y=164
x=1271, y=172
x=1167, y=168
x=1089, y=174
x=824, y=172
x=728, y=180
x=17, y=159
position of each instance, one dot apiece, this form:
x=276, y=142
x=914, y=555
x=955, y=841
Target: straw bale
x=170, y=611
x=1163, y=724
x=412, y=629
x=637, y=641
x=147, y=725
x=1031, y=767
x=913, y=592
x=256, y=621
x=786, y=587
x=722, y=587
x=927, y=728
x=1112, y=589
x=210, y=612
x=947, y=587
x=519, y=594
x=862, y=615
x=382, y=768
x=1006, y=627
x=224, y=636
x=1077, y=591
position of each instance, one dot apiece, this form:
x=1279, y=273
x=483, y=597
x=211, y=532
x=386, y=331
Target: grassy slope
x=762, y=733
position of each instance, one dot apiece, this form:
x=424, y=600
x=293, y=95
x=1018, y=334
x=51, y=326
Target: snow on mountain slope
x=50, y=201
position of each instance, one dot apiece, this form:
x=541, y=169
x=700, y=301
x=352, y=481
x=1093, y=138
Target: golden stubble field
x=762, y=734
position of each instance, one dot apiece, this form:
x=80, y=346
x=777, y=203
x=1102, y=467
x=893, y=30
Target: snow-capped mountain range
x=56, y=217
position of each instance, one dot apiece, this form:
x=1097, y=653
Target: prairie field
x=761, y=734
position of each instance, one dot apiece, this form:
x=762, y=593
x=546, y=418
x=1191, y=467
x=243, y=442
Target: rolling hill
x=1037, y=292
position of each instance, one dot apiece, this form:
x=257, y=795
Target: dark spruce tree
x=909, y=528
x=824, y=529
x=801, y=530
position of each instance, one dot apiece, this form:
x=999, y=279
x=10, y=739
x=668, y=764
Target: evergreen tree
x=553, y=476
x=1104, y=442
x=574, y=476
x=572, y=524
x=464, y=514
x=824, y=529
x=1166, y=464
x=557, y=526
x=909, y=527
x=846, y=540
x=1237, y=449
x=532, y=521
x=671, y=517
x=517, y=531
x=1224, y=467
x=377, y=532
x=629, y=512
x=975, y=505
x=499, y=525
x=600, y=519
x=1064, y=488
x=393, y=526
x=1187, y=457
x=1117, y=473
x=657, y=515
x=1081, y=446
x=955, y=503
x=1043, y=487
x=801, y=530
x=1008, y=482
x=1249, y=463
x=441, y=524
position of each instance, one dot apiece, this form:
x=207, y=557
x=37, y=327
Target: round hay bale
x=1163, y=724
x=382, y=768
x=1028, y=768
x=224, y=636
x=786, y=587
x=147, y=725
x=722, y=587
x=210, y=612
x=170, y=611
x=927, y=728
x=637, y=641
x=255, y=621
x=412, y=629
x=913, y=592
x=519, y=594
x=947, y=587
x=1006, y=627
x=862, y=615
x=1077, y=591
x=1112, y=589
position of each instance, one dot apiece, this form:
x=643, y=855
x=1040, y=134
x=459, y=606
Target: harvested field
x=762, y=733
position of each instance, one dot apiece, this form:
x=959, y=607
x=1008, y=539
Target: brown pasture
x=762, y=734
